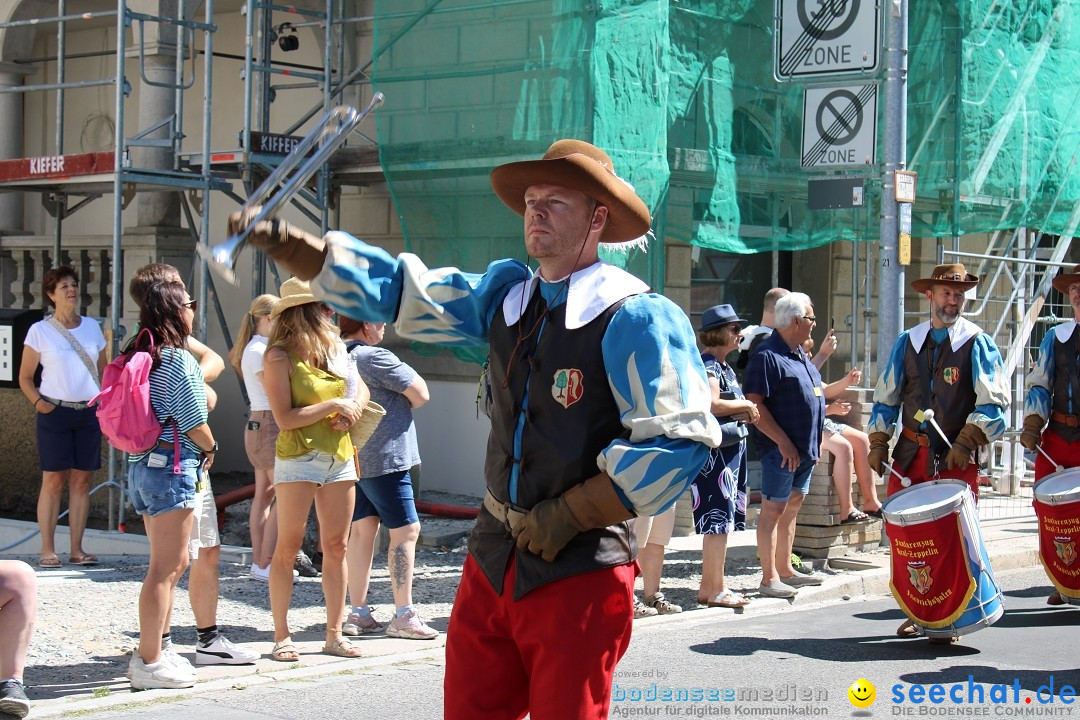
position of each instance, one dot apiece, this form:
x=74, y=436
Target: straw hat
x=294, y=291
x=577, y=165
x=1065, y=279
x=952, y=274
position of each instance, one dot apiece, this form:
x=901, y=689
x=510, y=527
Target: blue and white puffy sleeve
x=888, y=393
x=991, y=388
x=659, y=383
x=1037, y=400
x=442, y=306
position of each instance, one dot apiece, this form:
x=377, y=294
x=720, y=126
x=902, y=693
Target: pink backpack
x=124, y=411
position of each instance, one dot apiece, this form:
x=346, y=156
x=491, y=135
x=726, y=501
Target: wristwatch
x=212, y=450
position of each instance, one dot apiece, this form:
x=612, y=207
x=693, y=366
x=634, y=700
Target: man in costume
x=947, y=364
x=1053, y=396
x=600, y=412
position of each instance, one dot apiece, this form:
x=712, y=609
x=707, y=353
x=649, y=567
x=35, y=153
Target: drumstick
x=1057, y=468
x=905, y=481
x=928, y=416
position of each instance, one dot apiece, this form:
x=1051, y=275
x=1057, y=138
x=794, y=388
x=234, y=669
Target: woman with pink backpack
x=163, y=480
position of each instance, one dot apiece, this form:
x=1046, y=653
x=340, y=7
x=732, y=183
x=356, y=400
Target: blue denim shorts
x=390, y=497
x=158, y=490
x=777, y=483
x=316, y=467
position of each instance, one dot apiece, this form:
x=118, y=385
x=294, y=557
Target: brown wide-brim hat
x=953, y=274
x=577, y=165
x=1065, y=279
x=294, y=291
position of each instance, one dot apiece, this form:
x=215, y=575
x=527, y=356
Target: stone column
x=11, y=143
x=156, y=103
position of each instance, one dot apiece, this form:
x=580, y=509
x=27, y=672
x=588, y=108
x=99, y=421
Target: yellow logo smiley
x=862, y=693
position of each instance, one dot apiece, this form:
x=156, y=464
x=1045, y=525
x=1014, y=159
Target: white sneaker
x=162, y=674
x=263, y=574
x=169, y=655
x=223, y=652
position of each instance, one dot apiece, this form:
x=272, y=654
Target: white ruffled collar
x=591, y=292
x=959, y=333
x=1065, y=330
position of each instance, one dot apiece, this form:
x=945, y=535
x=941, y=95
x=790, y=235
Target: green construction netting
x=682, y=95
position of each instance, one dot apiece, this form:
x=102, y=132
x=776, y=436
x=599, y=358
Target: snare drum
x=941, y=574
x=1057, y=503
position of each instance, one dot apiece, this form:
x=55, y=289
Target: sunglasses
x=191, y=304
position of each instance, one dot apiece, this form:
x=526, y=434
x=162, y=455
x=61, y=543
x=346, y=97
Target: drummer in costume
x=600, y=412
x=949, y=365
x=1053, y=396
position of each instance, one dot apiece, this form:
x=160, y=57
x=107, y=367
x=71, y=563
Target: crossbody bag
x=78, y=348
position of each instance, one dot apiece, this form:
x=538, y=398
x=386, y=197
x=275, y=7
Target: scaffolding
x=155, y=159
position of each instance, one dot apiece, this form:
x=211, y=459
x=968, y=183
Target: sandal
x=855, y=516
x=85, y=559
x=284, y=651
x=341, y=648
x=727, y=599
x=874, y=513
x=907, y=630
x=50, y=561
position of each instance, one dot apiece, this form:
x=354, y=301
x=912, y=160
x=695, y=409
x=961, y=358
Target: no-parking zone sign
x=839, y=126
x=822, y=38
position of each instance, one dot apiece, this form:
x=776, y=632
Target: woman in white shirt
x=261, y=432
x=70, y=349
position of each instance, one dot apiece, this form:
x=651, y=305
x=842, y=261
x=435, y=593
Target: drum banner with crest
x=931, y=575
x=1059, y=536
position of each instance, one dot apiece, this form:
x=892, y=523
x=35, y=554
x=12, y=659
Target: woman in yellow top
x=304, y=374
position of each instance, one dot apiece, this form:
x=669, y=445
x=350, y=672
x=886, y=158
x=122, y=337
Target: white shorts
x=204, y=529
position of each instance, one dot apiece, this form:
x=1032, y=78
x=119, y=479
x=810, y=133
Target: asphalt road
x=806, y=657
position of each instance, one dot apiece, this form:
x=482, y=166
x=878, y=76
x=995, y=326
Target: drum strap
x=926, y=380
x=1074, y=401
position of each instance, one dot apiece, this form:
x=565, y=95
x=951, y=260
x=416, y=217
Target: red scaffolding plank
x=57, y=166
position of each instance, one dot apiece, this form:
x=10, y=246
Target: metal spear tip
x=377, y=99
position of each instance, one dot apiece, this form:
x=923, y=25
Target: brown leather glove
x=551, y=524
x=1032, y=433
x=879, y=453
x=968, y=440
x=298, y=252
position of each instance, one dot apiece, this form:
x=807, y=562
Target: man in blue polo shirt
x=787, y=388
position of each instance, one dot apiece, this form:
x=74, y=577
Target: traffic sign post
x=818, y=39
x=839, y=127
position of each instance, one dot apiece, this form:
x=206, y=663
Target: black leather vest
x=952, y=397
x=1066, y=380
x=571, y=417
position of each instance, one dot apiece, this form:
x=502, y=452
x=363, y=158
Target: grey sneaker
x=662, y=605
x=797, y=580
x=304, y=567
x=13, y=700
x=162, y=674
x=777, y=589
x=642, y=610
x=410, y=627
x=357, y=624
x=221, y=651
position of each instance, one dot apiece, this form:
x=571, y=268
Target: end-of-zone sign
x=839, y=126
x=821, y=38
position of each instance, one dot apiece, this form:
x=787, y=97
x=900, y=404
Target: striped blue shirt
x=177, y=392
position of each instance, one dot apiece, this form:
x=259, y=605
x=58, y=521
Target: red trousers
x=550, y=654
x=1064, y=454
x=917, y=473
